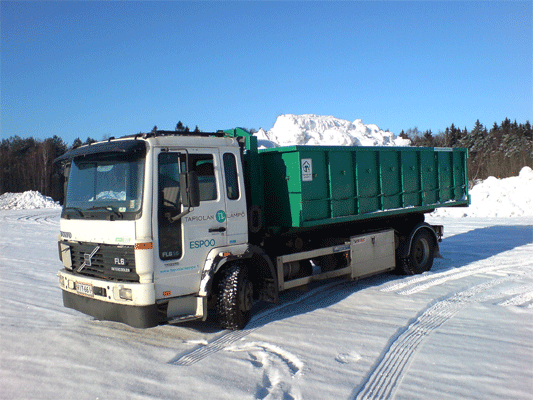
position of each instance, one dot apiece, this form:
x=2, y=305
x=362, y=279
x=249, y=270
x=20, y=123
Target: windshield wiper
x=108, y=208
x=75, y=209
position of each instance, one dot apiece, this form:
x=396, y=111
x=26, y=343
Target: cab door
x=184, y=243
x=236, y=215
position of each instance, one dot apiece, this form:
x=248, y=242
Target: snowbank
x=509, y=197
x=26, y=201
x=310, y=129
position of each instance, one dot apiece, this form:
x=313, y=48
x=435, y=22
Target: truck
x=167, y=226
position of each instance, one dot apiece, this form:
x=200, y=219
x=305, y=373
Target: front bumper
x=135, y=316
x=107, y=300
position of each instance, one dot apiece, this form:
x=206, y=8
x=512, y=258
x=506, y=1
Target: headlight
x=125, y=294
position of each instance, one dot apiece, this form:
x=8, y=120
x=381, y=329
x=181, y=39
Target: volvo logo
x=87, y=259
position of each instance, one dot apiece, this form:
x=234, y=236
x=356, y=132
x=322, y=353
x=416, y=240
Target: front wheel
x=420, y=258
x=235, y=298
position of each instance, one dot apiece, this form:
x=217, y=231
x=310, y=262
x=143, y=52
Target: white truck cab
x=133, y=248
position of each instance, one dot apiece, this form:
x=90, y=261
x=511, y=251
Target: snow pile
x=509, y=197
x=310, y=129
x=26, y=201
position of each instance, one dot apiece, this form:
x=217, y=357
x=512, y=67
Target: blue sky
x=80, y=69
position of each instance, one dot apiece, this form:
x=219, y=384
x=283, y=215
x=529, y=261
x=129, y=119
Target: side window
x=230, y=172
x=169, y=178
x=203, y=165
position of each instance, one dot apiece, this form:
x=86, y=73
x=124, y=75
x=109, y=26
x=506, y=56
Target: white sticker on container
x=307, y=169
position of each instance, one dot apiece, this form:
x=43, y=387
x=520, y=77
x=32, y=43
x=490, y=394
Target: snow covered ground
x=464, y=330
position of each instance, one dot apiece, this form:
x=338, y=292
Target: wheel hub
x=246, y=299
x=421, y=251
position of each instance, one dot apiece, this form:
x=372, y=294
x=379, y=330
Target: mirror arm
x=180, y=215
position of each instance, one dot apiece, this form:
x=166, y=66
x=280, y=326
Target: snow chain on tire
x=235, y=298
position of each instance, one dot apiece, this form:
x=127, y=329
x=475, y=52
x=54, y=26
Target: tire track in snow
x=520, y=300
x=48, y=219
x=439, y=280
x=290, y=308
x=386, y=375
x=422, y=282
x=230, y=337
x=507, y=292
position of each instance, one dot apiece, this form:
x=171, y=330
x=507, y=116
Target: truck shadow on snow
x=480, y=244
x=457, y=251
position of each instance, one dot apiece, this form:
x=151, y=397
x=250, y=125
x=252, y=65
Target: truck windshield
x=108, y=188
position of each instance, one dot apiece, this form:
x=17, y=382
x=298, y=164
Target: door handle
x=221, y=229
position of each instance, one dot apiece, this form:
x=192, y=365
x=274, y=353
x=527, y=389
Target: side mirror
x=66, y=173
x=190, y=189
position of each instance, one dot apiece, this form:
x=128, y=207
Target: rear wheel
x=235, y=298
x=420, y=257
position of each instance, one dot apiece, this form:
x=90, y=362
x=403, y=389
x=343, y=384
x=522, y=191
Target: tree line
x=501, y=151
x=28, y=163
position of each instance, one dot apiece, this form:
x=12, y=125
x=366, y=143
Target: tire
x=420, y=258
x=235, y=298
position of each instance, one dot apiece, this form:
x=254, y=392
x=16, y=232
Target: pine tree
x=428, y=138
x=455, y=136
x=76, y=143
x=528, y=133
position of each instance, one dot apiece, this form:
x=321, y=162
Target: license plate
x=85, y=289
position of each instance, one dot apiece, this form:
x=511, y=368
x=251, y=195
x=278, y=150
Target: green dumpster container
x=307, y=186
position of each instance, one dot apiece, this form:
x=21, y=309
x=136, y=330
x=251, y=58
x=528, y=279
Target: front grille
x=108, y=262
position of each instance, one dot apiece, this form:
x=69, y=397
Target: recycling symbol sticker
x=307, y=169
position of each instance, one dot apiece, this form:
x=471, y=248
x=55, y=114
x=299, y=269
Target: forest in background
x=27, y=164
x=501, y=151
